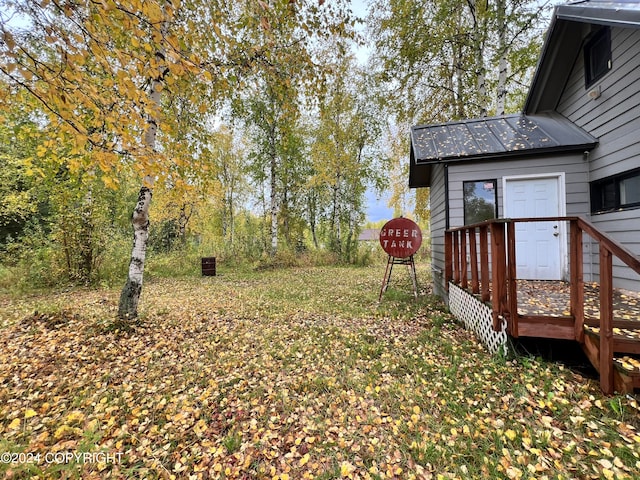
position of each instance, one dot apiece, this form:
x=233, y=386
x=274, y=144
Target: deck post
x=473, y=257
x=456, y=257
x=512, y=296
x=485, y=294
x=463, y=258
x=498, y=274
x=606, y=321
x=448, y=273
x=576, y=267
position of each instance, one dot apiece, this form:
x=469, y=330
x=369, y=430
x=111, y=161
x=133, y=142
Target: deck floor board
x=551, y=298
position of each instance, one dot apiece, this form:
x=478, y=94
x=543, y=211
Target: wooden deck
x=604, y=321
x=553, y=299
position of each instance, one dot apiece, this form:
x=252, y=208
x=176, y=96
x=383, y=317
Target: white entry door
x=539, y=250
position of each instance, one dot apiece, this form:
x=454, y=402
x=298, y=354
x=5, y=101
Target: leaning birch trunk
x=130, y=295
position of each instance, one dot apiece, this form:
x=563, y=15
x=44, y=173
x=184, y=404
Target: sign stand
x=409, y=262
x=400, y=238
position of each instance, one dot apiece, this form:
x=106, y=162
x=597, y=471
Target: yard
x=289, y=374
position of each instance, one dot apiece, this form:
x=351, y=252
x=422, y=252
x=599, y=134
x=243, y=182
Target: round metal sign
x=400, y=237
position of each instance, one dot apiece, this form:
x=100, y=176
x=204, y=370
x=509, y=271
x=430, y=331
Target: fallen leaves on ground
x=290, y=374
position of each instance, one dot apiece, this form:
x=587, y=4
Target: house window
x=616, y=193
x=480, y=201
x=597, y=56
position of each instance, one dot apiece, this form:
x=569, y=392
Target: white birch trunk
x=130, y=295
x=482, y=94
x=501, y=94
x=479, y=25
x=273, y=204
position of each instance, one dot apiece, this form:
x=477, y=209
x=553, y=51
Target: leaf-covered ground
x=289, y=374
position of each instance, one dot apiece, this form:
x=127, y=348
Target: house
x=574, y=150
x=551, y=193
x=370, y=235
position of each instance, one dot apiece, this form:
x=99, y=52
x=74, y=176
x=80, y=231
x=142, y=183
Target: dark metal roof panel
x=422, y=144
x=484, y=137
x=465, y=138
x=496, y=137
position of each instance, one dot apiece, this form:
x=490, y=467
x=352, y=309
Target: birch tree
x=444, y=60
x=342, y=156
x=272, y=105
x=229, y=157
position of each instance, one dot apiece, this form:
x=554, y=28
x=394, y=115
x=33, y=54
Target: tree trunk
x=502, y=64
x=311, y=209
x=273, y=204
x=335, y=217
x=130, y=295
x=478, y=14
x=231, y=217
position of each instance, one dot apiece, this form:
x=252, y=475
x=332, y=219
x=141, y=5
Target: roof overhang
x=419, y=174
x=495, y=138
x=624, y=14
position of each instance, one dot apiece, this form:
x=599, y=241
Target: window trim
x=590, y=77
x=596, y=190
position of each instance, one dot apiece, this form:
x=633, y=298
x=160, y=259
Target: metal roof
x=496, y=137
x=621, y=13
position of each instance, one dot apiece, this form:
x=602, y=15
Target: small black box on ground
x=209, y=266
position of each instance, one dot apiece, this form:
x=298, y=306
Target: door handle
x=556, y=234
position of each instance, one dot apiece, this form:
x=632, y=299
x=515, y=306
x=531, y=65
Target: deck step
x=626, y=368
x=625, y=340
x=627, y=364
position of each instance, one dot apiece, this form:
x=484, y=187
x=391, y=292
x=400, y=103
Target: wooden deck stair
x=625, y=348
x=481, y=259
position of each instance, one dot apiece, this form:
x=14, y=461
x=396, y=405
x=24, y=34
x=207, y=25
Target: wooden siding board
x=623, y=123
x=610, y=114
x=620, y=157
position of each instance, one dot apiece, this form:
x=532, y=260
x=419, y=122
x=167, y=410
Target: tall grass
x=39, y=265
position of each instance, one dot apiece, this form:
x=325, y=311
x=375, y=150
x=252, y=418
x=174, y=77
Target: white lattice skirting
x=476, y=317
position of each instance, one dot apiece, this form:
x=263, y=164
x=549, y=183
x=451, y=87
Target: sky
x=377, y=208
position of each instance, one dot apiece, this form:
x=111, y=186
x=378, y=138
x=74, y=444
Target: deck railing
x=482, y=259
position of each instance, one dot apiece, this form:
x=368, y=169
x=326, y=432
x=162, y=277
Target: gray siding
x=617, y=224
x=614, y=118
x=437, y=205
x=573, y=166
